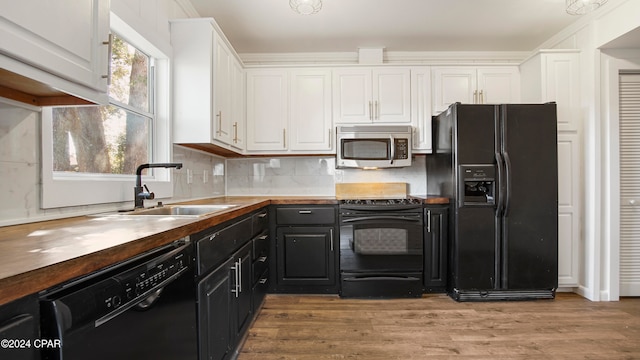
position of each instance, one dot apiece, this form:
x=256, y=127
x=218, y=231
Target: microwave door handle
x=393, y=149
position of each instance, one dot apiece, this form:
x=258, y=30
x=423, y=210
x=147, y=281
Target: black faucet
x=140, y=193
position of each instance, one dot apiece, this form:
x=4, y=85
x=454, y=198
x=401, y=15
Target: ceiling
x=270, y=26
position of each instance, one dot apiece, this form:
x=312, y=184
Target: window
x=111, y=139
x=90, y=153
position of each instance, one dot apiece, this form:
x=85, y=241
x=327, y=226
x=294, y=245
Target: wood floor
x=436, y=327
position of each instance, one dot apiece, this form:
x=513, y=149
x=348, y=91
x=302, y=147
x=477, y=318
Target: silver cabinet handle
x=428, y=221
x=370, y=111
x=304, y=212
x=262, y=237
x=262, y=259
x=240, y=275
x=213, y=236
x=481, y=97
x=263, y=281
x=236, y=271
x=284, y=138
x=331, y=239
x=109, y=43
x=329, y=139
x=475, y=96
x=219, y=116
x=235, y=132
x=376, y=111
x=264, y=214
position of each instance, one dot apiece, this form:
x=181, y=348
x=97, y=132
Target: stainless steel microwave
x=373, y=146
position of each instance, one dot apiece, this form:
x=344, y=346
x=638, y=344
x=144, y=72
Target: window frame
x=70, y=189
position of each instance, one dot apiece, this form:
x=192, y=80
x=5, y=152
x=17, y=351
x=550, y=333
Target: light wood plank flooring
x=436, y=327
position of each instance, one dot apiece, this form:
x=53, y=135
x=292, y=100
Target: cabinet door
x=561, y=83
x=352, y=100
x=306, y=256
x=391, y=95
x=62, y=37
x=237, y=106
x=453, y=84
x=421, y=109
x=222, y=95
x=569, y=210
x=267, y=112
x=436, y=240
x=310, y=110
x=214, y=309
x=498, y=85
x=241, y=296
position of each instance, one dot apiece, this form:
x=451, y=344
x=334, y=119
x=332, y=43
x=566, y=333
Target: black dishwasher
x=144, y=308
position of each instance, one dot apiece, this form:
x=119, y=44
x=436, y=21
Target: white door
x=391, y=95
x=223, y=91
x=453, y=84
x=498, y=85
x=352, y=102
x=267, y=112
x=630, y=184
x=310, y=110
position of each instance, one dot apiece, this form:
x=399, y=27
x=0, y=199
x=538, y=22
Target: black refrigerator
x=499, y=166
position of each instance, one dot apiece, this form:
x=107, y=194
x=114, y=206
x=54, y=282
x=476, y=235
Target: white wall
x=600, y=257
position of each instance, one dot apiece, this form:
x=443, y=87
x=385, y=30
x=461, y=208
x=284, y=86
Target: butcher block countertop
x=37, y=256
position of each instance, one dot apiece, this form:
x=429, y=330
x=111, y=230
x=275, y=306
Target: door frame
x=613, y=62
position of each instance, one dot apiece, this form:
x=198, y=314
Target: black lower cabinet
x=306, y=256
x=436, y=240
x=19, y=328
x=306, y=251
x=225, y=306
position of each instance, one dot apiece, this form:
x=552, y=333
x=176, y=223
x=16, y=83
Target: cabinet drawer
x=261, y=245
x=260, y=222
x=305, y=215
x=219, y=245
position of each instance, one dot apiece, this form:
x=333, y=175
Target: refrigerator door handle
x=507, y=182
x=501, y=182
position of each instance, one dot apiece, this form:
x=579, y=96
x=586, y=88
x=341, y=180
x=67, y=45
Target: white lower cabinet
x=289, y=110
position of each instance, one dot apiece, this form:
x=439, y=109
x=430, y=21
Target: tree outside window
x=115, y=138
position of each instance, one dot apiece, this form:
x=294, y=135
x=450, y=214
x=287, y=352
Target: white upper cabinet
x=474, y=85
x=267, y=110
x=371, y=95
x=289, y=110
x=208, y=86
x=421, y=109
x=66, y=38
x=310, y=111
x=554, y=75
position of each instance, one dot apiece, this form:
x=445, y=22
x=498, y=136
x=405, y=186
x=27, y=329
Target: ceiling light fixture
x=308, y=7
x=581, y=7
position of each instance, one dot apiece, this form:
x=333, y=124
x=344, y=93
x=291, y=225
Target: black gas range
x=381, y=247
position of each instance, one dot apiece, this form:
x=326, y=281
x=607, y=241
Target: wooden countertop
x=37, y=256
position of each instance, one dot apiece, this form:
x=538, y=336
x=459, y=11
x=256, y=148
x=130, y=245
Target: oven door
x=381, y=242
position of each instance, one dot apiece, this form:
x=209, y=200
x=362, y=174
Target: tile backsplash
x=311, y=176
x=202, y=176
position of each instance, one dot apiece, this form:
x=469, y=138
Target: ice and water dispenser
x=477, y=185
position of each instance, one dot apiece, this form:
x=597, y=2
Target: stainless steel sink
x=174, y=210
x=181, y=210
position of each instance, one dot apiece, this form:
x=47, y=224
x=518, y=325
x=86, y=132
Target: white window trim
x=64, y=190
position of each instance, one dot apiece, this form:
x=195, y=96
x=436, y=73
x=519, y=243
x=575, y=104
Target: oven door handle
x=369, y=218
x=376, y=278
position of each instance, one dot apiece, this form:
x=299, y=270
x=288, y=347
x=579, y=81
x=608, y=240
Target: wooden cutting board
x=371, y=190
